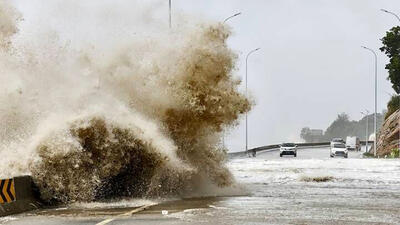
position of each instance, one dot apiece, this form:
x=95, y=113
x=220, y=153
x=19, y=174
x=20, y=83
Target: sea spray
x=130, y=117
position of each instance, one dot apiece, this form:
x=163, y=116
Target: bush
x=394, y=153
x=393, y=105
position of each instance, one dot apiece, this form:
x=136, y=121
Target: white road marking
x=130, y=213
x=105, y=221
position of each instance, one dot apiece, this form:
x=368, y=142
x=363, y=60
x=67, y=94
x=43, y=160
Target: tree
x=311, y=136
x=391, y=47
x=341, y=127
x=305, y=134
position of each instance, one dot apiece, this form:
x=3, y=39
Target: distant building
x=312, y=135
x=316, y=132
x=316, y=135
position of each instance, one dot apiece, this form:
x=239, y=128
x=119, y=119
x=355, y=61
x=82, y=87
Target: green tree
x=341, y=127
x=391, y=47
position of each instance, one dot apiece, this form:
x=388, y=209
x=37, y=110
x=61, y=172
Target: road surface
x=274, y=191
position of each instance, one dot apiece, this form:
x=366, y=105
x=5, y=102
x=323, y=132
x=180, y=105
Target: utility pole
x=376, y=87
x=247, y=59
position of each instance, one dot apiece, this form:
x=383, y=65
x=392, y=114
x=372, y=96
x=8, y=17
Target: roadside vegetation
x=394, y=153
x=392, y=105
x=368, y=155
x=391, y=47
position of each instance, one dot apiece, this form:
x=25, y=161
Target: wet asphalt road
x=276, y=191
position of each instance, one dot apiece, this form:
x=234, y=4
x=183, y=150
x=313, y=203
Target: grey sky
x=311, y=66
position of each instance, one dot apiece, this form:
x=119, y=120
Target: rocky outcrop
x=388, y=138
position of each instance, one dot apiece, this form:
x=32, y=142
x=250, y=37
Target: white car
x=337, y=141
x=339, y=149
x=288, y=149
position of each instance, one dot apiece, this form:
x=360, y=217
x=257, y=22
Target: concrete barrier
x=18, y=195
x=276, y=147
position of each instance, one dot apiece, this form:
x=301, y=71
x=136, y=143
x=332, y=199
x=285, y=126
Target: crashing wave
x=140, y=117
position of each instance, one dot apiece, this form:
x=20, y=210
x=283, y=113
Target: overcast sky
x=310, y=66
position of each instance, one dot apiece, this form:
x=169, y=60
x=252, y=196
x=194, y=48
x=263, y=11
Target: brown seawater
x=139, y=117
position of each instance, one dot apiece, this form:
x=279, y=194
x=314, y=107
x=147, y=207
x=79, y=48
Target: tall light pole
x=376, y=87
x=366, y=132
x=394, y=14
x=237, y=14
x=170, y=14
x=223, y=132
x=247, y=59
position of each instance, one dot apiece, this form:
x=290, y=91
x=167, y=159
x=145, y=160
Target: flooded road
x=310, y=189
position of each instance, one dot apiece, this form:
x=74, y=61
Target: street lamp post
x=392, y=13
x=366, y=130
x=169, y=14
x=223, y=132
x=247, y=58
x=376, y=87
x=237, y=14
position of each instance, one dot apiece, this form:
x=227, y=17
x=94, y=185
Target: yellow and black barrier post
x=7, y=191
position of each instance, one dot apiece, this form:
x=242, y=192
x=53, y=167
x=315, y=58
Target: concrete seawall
x=388, y=136
x=17, y=195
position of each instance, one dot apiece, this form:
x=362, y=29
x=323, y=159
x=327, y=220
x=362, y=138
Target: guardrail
x=276, y=147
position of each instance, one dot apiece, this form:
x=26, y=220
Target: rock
x=388, y=137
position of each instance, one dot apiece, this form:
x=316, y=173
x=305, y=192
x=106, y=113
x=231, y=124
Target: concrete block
x=18, y=195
